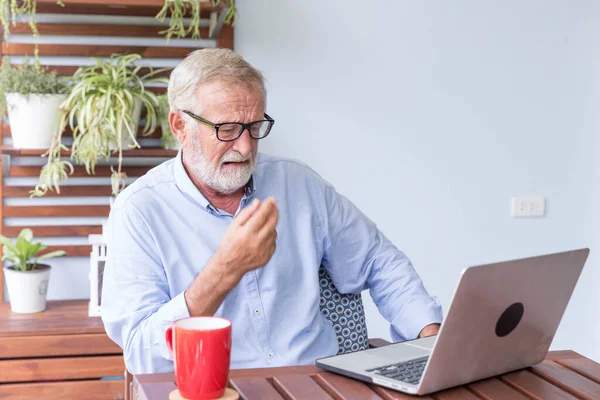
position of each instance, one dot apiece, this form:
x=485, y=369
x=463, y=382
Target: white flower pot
x=27, y=289
x=33, y=119
x=127, y=140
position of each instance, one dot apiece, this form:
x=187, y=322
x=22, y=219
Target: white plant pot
x=33, y=119
x=27, y=289
x=135, y=116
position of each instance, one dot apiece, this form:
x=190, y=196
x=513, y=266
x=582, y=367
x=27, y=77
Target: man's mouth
x=235, y=162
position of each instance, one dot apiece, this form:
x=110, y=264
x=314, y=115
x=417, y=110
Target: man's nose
x=243, y=144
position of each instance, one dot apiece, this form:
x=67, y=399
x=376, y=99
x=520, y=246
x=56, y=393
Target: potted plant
x=26, y=278
x=103, y=109
x=168, y=140
x=31, y=95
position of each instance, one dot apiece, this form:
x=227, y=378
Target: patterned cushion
x=346, y=314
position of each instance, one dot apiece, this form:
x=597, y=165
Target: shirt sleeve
x=137, y=307
x=358, y=256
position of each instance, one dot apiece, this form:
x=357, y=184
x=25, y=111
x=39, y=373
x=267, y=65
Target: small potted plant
x=26, y=279
x=31, y=95
x=168, y=140
x=103, y=110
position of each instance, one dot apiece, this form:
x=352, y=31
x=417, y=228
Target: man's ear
x=178, y=126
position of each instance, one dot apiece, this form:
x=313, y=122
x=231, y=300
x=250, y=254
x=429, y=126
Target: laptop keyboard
x=406, y=371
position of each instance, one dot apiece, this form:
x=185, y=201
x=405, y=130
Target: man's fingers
x=270, y=223
x=244, y=215
x=262, y=215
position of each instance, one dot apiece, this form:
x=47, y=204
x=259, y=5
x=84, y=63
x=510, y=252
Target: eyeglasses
x=230, y=131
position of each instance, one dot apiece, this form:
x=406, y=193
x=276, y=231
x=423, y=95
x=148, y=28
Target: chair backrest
x=346, y=314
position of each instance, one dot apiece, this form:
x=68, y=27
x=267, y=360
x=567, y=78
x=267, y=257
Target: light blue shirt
x=162, y=231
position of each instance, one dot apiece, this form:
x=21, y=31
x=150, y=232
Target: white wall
x=430, y=115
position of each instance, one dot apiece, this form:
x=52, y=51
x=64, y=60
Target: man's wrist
x=222, y=275
x=429, y=330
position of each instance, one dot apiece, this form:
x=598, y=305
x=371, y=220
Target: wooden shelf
x=68, y=133
x=135, y=153
x=115, y=7
x=204, y=5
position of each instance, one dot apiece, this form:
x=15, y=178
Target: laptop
x=503, y=317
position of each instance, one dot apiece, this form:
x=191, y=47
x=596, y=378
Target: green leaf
x=52, y=254
x=23, y=245
x=26, y=234
x=9, y=245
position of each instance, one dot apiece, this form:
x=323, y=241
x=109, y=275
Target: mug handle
x=169, y=338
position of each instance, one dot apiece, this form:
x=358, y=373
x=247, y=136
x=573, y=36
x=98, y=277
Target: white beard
x=224, y=182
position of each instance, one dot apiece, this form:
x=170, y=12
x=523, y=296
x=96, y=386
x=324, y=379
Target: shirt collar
x=185, y=184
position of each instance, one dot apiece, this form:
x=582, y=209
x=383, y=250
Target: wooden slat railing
x=79, y=171
x=95, y=30
x=55, y=230
x=55, y=211
x=19, y=49
x=65, y=191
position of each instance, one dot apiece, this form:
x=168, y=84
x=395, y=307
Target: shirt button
x=256, y=311
x=270, y=355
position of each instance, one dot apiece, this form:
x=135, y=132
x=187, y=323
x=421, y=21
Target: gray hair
x=206, y=65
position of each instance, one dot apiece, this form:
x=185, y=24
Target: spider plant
x=99, y=110
x=178, y=9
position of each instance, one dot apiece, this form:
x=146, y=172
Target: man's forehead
x=227, y=88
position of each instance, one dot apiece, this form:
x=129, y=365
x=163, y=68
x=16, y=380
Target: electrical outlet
x=528, y=206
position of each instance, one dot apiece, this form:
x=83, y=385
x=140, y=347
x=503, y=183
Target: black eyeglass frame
x=242, y=125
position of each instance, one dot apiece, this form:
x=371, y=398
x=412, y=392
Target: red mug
x=201, y=349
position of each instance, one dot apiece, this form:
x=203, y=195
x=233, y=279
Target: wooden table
x=563, y=375
x=60, y=353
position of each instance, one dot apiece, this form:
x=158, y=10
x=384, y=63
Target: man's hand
x=249, y=242
x=430, y=330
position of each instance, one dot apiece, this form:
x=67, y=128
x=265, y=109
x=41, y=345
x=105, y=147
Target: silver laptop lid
x=503, y=317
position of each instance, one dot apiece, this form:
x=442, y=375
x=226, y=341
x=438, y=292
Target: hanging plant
x=10, y=10
x=178, y=9
x=102, y=109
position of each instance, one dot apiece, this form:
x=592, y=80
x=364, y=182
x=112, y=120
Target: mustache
x=234, y=156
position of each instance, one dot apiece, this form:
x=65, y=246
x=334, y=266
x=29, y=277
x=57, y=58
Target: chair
x=346, y=314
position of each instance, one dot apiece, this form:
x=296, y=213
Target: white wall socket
x=528, y=206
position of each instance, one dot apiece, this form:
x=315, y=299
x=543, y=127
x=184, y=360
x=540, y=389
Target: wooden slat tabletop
x=61, y=317
x=563, y=375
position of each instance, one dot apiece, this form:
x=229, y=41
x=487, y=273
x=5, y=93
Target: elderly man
x=223, y=230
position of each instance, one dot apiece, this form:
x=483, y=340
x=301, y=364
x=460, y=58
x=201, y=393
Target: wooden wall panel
x=109, y=29
x=68, y=133
x=15, y=49
x=56, y=211
x=57, y=230
x=95, y=30
x=72, y=251
x=101, y=171
x=65, y=191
